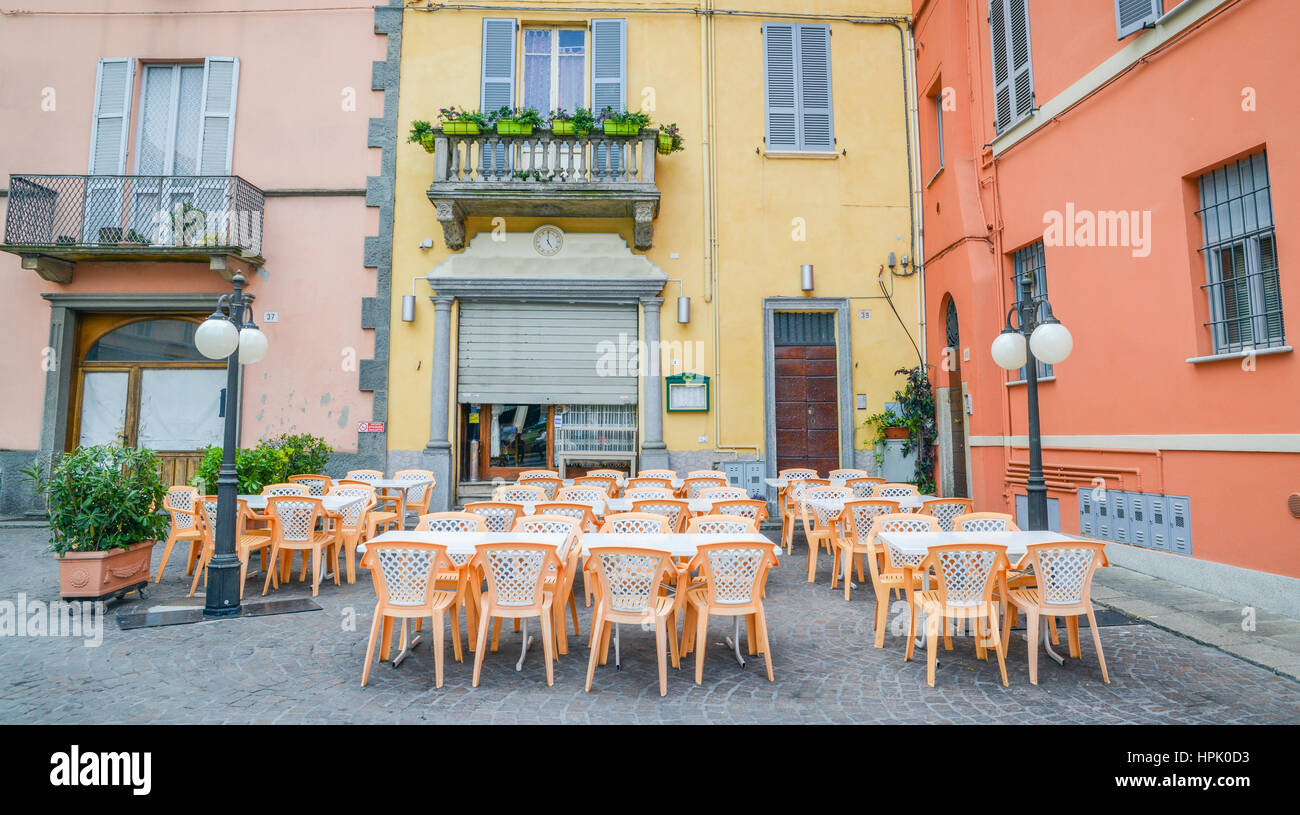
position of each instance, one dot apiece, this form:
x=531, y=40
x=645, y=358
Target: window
x=797, y=83
x=1240, y=251
x=1135, y=15
x=555, y=69
x=1030, y=263
x=935, y=160
x=1013, y=75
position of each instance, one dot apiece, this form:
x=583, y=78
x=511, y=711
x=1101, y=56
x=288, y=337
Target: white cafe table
x=330, y=503
x=530, y=507
x=911, y=548
x=387, y=485
x=676, y=544
x=909, y=503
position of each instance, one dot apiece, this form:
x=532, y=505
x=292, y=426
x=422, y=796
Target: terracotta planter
x=895, y=432
x=96, y=575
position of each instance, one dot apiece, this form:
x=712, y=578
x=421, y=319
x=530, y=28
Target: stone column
x=437, y=453
x=654, y=453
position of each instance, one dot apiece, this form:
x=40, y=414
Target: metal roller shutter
x=547, y=353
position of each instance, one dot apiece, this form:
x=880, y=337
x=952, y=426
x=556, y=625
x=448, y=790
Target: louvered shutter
x=217, y=125
x=108, y=129
x=1022, y=74
x=1013, y=76
x=1134, y=15
x=1003, y=104
x=815, y=131
x=498, y=86
x=779, y=80
x=608, y=80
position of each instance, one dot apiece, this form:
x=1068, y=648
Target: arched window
x=161, y=340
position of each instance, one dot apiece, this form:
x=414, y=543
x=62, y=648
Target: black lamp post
x=1034, y=339
x=230, y=333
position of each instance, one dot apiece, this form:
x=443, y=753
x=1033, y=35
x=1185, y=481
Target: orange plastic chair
x=560, y=581
x=790, y=509
x=691, y=486
x=459, y=578
x=582, y=512
x=370, y=477
x=293, y=528
x=418, y=496
x=819, y=525
x=666, y=475
x=582, y=495
x=676, y=511
x=180, y=503
x=609, y=483
x=706, y=474
x=1064, y=572
x=648, y=481
x=966, y=574
x=549, y=486
x=378, y=519
x=946, y=510
x=733, y=575
x=528, y=475
x=246, y=542
x=630, y=580
x=984, y=522
x=895, y=490
x=317, y=484
x=352, y=522
x=891, y=567
x=847, y=473
x=721, y=525
x=520, y=494
x=635, y=523
x=752, y=508
x=404, y=574
x=641, y=493
x=724, y=493
x=864, y=486
x=856, y=523
x=271, y=490
x=499, y=516
x=515, y=590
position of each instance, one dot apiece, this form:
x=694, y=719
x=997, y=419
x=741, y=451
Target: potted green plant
x=627, y=123
x=578, y=123
x=457, y=122
x=516, y=121
x=422, y=133
x=669, y=140
x=103, y=505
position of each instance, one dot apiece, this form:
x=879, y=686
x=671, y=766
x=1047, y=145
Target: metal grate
x=596, y=429
x=1240, y=251
x=71, y=212
x=1031, y=261
x=804, y=328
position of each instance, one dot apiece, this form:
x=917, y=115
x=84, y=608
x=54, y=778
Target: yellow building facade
x=538, y=264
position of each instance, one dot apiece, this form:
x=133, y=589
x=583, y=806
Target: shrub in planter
x=457, y=122
x=578, y=123
x=103, y=505
x=669, y=140
x=270, y=462
x=422, y=134
x=616, y=123
x=516, y=121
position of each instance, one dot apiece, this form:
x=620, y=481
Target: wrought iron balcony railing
x=80, y=216
x=544, y=174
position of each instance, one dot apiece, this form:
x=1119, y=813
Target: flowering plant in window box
x=422, y=134
x=627, y=123
x=669, y=139
x=516, y=121
x=578, y=123
x=457, y=122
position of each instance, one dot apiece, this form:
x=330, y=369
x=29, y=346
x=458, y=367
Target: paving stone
x=306, y=668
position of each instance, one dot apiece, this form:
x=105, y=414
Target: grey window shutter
x=1134, y=15
x=779, y=86
x=1013, y=75
x=1022, y=73
x=815, y=120
x=609, y=65
x=217, y=117
x=498, y=64
x=1003, y=104
x=108, y=129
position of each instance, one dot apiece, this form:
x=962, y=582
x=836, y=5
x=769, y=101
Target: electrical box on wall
x=1145, y=519
x=747, y=475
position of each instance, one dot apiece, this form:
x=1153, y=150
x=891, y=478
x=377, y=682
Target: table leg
x=734, y=643
x=523, y=652
x=1047, y=646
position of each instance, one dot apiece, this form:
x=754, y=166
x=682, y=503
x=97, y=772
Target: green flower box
x=616, y=129
x=428, y=143
x=508, y=128
x=562, y=128
x=664, y=144
x=460, y=129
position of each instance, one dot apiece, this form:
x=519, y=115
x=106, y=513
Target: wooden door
x=807, y=407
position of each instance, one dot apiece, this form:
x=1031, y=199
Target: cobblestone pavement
x=305, y=668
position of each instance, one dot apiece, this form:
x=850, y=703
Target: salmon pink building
x=1140, y=161
x=150, y=152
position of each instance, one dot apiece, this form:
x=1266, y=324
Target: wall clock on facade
x=548, y=240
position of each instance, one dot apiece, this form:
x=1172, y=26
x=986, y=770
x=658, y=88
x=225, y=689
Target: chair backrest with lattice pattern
x=846, y=473
x=732, y=571
x=675, y=511
x=635, y=523
x=354, y=514
x=295, y=516
x=629, y=577
x=520, y=494
x=368, y=476
x=415, y=494
x=1064, y=570
x=549, y=486
x=864, y=487
x=721, y=525
x=901, y=522
x=317, y=485
x=946, y=510
x=723, y=493
x=794, y=488
x=984, y=522
x=820, y=517
x=966, y=572
x=860, y=513
x=582, y=495
x=706, y=474
x=451, y=522
x=552, y=525
x=647, y=493
x=514, y=571
x=695, y=484
x=528, y=475
x=404, y=572
x=179, y=503
x=647, y=481
x=752, y=508
x=207, y=517
x=286, y=489
x=609, y=483
x=895, y=490
x=579, y=512
x=797, y=473
x=666, y=475
x=499, y=516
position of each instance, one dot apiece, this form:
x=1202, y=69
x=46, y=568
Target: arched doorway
x=140, y=382
x=958, y=485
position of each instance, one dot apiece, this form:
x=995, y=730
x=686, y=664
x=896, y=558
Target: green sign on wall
x=687, y=393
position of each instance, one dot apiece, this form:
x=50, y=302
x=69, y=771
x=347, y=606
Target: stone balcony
x=55, y=221
x=545, y=175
